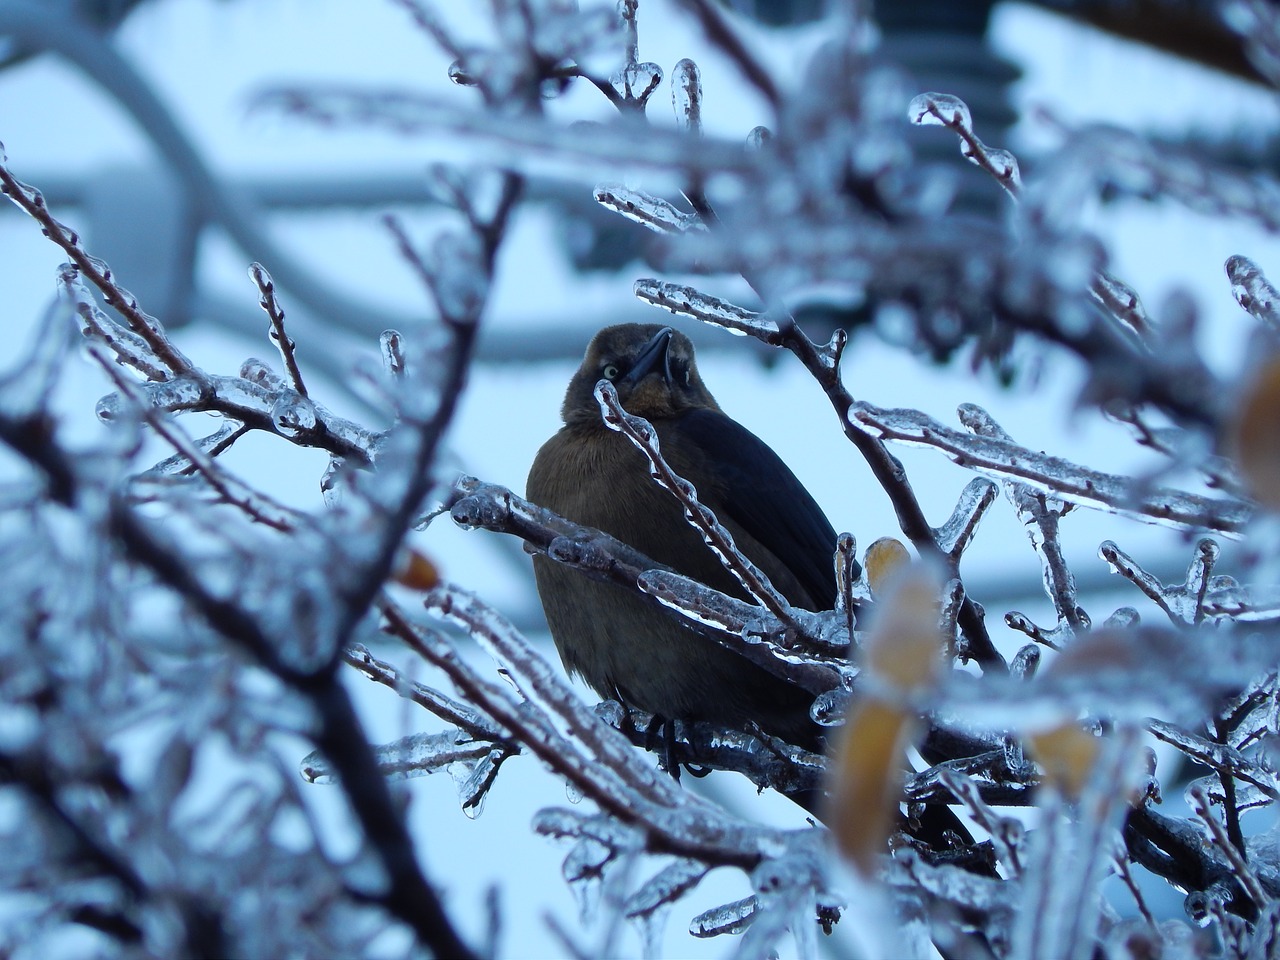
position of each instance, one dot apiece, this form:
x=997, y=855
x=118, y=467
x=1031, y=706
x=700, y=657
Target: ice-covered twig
x=446, y=708
x=847, y=576
x=31, y=201
x=686, y=96
x=1182, y=446
x=957, y=533
x=524, y=143
x=722, y=35
x=996, y=782
x=665, y=888
x=1121, y=302
x=1039, y=515
x=1003, y=459
x=729, y=918
x=1183, y=603
x=1227, y=760
x=760, y=638
x=689, y=302
x=234, y=492
x=1007, y=833
x=610, y=774
x=275, y=313
x=130, y=349
x=1254, y=292
x=1239, y=867
x=574, y=725
x=417, y=755
x=642, y=434
x=765, y=761
x=653, y=212
x=953, y=113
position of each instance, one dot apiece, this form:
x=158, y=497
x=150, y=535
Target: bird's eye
x=610, y=371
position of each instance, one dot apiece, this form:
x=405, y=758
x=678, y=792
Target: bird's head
x=650, y=366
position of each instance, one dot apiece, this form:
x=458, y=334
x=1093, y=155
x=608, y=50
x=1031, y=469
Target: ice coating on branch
x=653, y=212
x=729, y=918
x=690, y=302
x=459, y=275
x=686, y=96
x=416, y=755
x=260, y=372
x=293, y=414
x=958, y=532
x=939, y=109
x=1253, y=291
x=758, y=138
x=636, y=82
x=391, y=344
x=474, y=777
x=650, y=906
x=1001, y=459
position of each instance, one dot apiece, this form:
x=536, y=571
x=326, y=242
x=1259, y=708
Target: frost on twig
x=1002, y=459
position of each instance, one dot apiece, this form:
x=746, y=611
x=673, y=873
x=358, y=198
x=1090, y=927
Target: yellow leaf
x=867, y=778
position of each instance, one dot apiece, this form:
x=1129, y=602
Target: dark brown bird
x=627, y=648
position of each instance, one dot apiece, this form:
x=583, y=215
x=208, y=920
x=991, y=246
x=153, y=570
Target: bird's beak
x=653, y=357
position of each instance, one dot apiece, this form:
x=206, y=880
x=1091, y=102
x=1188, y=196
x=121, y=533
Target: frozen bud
x=758, y=138
x=1255, y=435
x=686, y=96
x=415, y=571
x=940, y=109
x=884, y=558
x=866, y=780
x=1067, y=754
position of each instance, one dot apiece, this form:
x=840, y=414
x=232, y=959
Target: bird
x=622, y=645
x=627, y=648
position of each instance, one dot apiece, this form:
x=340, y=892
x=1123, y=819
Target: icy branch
x=524, y=144
x=688, y=302
x=952, y=113
x=1226, y=759
x=642, y=434
x=1003, y=459
x=653, y=212
x=275, y=313
x=1183, y=603
x=958, y=532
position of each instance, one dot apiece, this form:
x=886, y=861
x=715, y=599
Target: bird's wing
x=761, y=494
